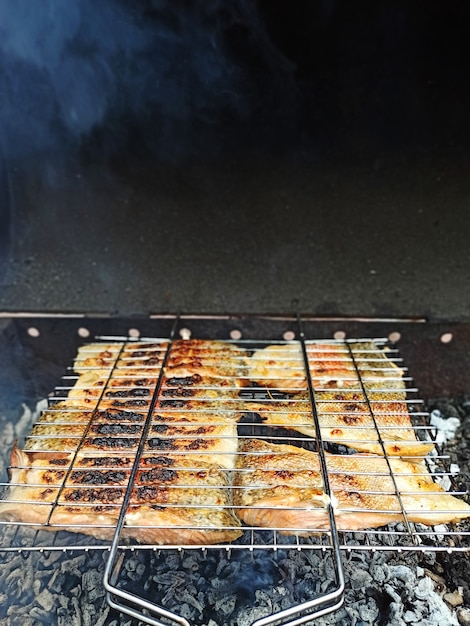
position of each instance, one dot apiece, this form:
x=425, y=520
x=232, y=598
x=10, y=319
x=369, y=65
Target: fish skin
x=280, y=486
x=175, y=500
x=368, y=414
x=101, y=422
x=354, y=428
x=37, y=472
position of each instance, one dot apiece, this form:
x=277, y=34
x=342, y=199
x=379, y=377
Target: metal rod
x=82, y=438
x=338, y=593
x=382, y=444
x=110, y=573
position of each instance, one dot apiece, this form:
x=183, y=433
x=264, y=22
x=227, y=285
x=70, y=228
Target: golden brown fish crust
x=173, y=501
x=280, y=486
x=331, y=366
x=345, y=418
x=215, y=359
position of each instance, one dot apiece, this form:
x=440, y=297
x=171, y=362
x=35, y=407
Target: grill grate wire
x=306, y=400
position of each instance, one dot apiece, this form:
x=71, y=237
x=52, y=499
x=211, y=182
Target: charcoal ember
x=92, y=584
x=364, y=611
x=187, y=598
x=456, y=566
x=46, y=599
x=20, y=579
x=368, y=611
x=380, y=572
x=170, y=579
x=402, y=573
x=327, y=569
x=249, y=574
x=40, y=615
x=225, y=605
x=448, y=407
x=288, y=571
x=135, y=567
x=456, y=571
x=263, y=606
x=306, y=589
x=411, y=617
x=191, y=564
x=95, y=616
x=23, y=620
x=50, y=558
x=190, y=610
x=360, y=578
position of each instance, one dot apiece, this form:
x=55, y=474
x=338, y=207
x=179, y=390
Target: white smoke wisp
x=70, y=69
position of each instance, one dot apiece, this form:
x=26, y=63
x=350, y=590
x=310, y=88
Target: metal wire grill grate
x=172, y=443
x=362, y=398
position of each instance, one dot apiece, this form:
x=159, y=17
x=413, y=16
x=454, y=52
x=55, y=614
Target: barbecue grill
x=262, y=176
x=55, y=340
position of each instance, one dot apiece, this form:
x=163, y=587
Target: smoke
x=169, y=77
x=55, y=81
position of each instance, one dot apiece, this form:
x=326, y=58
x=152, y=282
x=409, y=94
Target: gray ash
x=455, y=568
x=223, y=589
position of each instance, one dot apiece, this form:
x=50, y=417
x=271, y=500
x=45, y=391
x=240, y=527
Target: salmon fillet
x=216, y=359
x=279, y=367
x=331, y=366
x=356, y=412
x=350, y=424
x=78, y=457
x=93, y=432
x=110, y=430
x=173, y=500
x=204, y=369
x=281, y=486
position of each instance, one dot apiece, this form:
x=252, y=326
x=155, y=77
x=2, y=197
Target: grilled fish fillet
x=180, y=501
x=331, y=366
x=344, y=401
x=216, y=359
x=279, y=367
x=195, y=436
x=281, y=486
x=127, y=378
x=77, y=460
x=354, y=429
x=130, y=356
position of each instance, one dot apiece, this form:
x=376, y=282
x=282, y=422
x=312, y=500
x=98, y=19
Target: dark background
x=232, y=156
